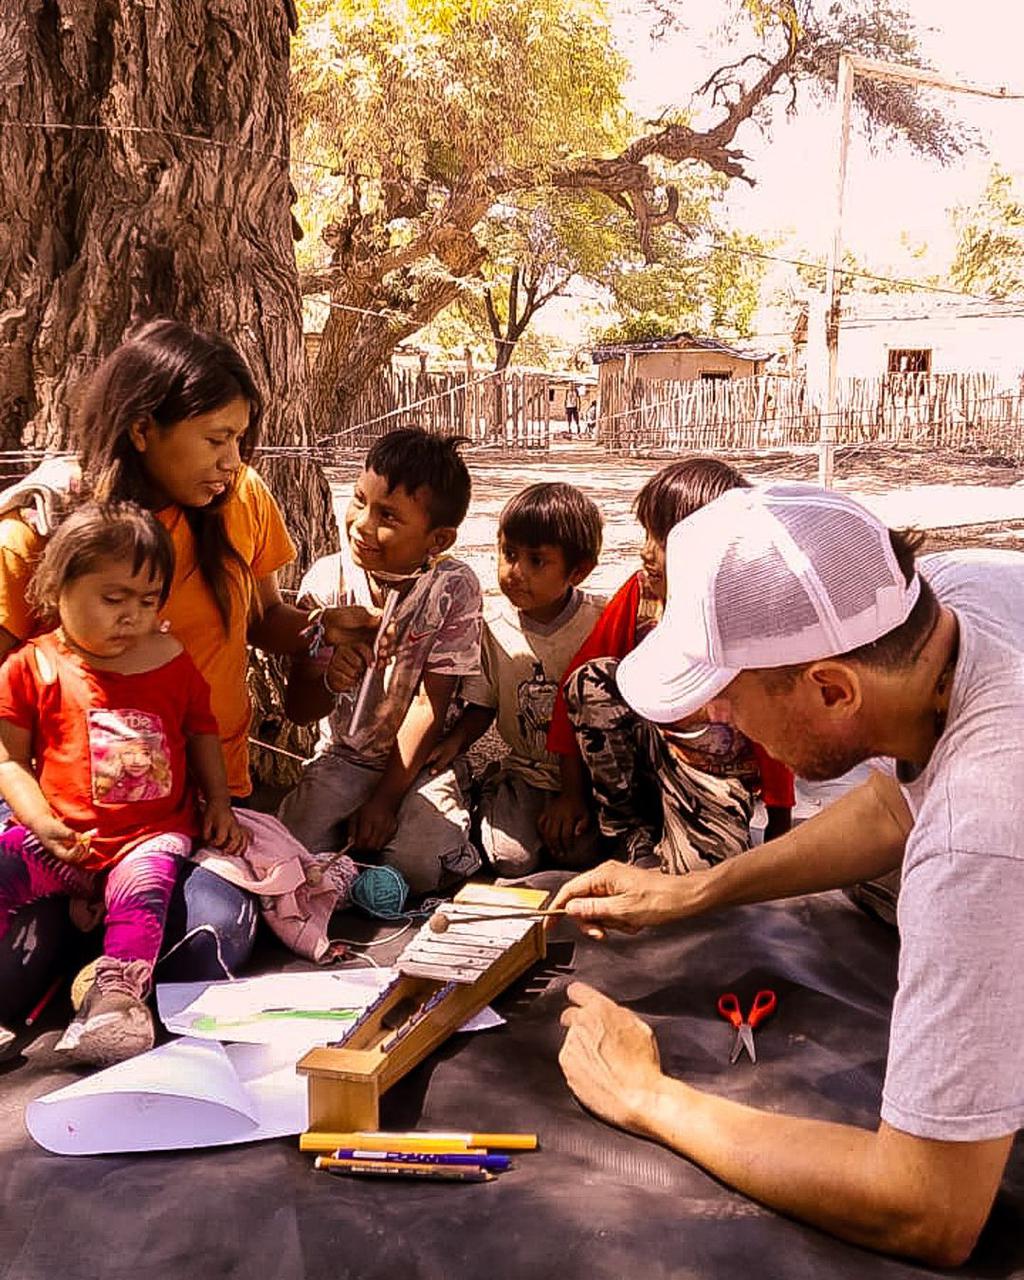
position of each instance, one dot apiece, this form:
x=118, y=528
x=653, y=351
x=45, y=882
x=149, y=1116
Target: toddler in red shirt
x=104, y=723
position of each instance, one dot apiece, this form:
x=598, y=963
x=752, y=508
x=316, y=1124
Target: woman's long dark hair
x=164, y=373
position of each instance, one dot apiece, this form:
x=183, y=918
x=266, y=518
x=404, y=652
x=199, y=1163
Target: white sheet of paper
x=273, y=1008
x=198, y=1092
x=189, y=1093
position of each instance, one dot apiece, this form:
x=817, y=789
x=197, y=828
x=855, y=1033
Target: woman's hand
x=222, y=829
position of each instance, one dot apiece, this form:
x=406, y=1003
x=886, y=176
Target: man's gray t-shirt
x=956, y=1050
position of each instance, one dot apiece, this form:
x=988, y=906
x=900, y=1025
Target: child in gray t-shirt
x=549, y=538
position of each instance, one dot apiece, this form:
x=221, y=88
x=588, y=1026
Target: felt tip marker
x=496, y=1164
x=47, y=996
x=328, y=1142
x=389, y=1169
x=376, y=1141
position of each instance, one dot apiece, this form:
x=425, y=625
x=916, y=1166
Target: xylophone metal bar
x=465, y=950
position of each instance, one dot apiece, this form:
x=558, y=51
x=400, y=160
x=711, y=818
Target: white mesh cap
x=764, y=577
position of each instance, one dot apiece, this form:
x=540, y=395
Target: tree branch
x=513, y=300
x=543, y=298
x=626, y=179
x=517, y=323
x=492, y=315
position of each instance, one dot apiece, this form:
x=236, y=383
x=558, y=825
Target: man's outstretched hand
x=610, y=1059
x=628, y=899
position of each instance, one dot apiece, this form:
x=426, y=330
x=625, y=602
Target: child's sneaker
x=112, y=1022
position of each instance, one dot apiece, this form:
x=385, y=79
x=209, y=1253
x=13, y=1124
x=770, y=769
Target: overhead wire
x=1002, y=306
x=388, y=313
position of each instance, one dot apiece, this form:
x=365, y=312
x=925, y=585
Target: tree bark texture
x=144, y=172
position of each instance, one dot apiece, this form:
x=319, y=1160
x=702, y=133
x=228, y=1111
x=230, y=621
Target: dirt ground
x=925, y=488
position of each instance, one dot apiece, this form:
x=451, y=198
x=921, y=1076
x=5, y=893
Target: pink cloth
x=298, y=891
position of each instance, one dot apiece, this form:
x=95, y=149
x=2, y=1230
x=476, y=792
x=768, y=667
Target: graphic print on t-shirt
x=536, y=701
x=129, y=756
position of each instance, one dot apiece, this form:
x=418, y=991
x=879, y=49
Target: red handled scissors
x=729, y=1008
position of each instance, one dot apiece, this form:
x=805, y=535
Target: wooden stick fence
x=771, y=412
x=510, y=410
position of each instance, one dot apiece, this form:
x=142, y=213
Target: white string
x=152, y=131
x=720, y=245
x=280, y=751
x=365, y=962
x=377, y=942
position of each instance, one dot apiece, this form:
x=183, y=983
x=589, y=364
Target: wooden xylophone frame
x=346, y=1082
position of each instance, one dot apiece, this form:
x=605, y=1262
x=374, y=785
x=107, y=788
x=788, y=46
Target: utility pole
x=833, y=291
x=850, y=66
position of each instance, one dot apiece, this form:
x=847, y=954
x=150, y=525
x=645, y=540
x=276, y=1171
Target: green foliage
x=641, y=327
x=710, y=282
x=692, y=282
x=480, y=152
x=769, y=14
x=990, y=250
x=410, y=100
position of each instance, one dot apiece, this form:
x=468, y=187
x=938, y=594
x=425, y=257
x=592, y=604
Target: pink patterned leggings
x=136, y=890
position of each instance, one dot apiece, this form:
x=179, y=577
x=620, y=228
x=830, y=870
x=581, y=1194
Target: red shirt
x=614, y=635
x=109, y=748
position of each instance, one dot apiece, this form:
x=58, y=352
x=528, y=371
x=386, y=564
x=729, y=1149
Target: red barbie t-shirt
x=109, y=748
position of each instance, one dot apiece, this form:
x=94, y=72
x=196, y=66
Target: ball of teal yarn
x=380, y=892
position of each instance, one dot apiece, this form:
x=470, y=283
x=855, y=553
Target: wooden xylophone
x=444, y=979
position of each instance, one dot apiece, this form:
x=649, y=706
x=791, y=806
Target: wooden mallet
x=440, y=922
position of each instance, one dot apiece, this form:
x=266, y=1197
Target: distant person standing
x=572, y=409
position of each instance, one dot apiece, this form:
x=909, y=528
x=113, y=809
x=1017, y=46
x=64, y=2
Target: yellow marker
x=328, y=1142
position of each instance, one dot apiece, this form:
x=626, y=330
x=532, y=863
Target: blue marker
x=494, y=1164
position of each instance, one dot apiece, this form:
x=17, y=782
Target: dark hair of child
x=416, y=459
x=165, y=373
x=96, y=534
x=680, y=489
x=557, y=515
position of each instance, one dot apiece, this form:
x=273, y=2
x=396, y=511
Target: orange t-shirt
x=254, y=524
x=20, y=547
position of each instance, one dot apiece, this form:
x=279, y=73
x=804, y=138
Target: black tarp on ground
x=593, y=1203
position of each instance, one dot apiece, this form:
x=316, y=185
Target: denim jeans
x=210, y=931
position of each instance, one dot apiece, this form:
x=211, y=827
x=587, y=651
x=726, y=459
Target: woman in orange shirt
x=170, y=421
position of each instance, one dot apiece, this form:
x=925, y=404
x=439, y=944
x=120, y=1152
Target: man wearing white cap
x=795, y=614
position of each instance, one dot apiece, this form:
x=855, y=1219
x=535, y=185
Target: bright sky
x=888, y=193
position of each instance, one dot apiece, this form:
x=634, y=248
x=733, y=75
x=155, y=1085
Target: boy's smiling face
x=390, y=530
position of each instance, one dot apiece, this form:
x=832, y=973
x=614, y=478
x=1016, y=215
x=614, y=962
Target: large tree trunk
x=144, y=172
